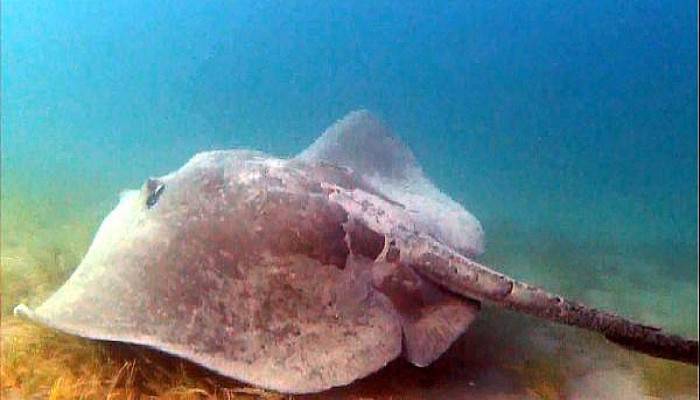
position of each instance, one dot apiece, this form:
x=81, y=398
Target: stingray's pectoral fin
x=432, y=319
x=473, y=280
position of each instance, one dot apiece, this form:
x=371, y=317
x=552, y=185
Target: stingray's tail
x=471, y=279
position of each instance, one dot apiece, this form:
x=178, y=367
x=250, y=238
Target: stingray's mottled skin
x=242, y=262
x=302, y=274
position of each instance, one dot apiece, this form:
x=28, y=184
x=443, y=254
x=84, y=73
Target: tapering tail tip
x=670, y=347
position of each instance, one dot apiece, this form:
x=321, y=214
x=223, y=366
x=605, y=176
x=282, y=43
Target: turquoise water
x=567, y=128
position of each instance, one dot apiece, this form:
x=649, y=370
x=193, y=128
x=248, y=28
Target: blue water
x=565, y=127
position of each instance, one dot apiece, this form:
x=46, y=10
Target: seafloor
x=504, y=355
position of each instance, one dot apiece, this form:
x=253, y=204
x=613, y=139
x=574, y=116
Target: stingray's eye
x=154, y=188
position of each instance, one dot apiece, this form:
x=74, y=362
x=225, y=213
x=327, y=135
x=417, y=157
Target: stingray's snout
x=23, y=311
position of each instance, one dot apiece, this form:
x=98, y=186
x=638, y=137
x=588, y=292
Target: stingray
x=306, y=273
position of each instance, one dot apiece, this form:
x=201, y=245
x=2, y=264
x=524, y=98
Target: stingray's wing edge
x=26, y=313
